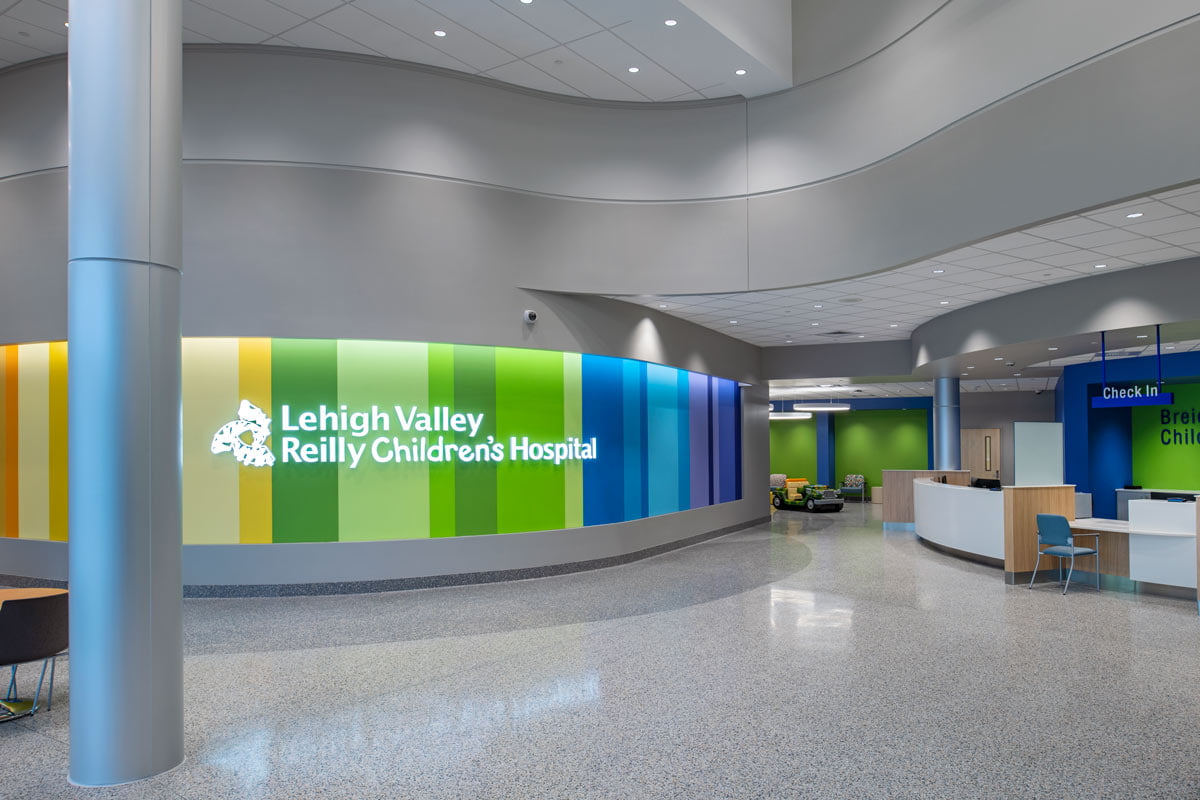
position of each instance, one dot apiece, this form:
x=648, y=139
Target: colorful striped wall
x=665, y=440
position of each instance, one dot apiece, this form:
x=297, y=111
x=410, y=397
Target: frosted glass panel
x=1037, y=453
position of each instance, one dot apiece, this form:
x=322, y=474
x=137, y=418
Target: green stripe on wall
x=474, y=393
x=441, y=479
x=304, y=497
x=382, y=501
x=530, y=495
x=573, y=427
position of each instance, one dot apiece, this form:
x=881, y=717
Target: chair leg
x=50, y=694
x=12, y=685
x=1035, y=569
x=37, y=696
x=1097, y=567
x=1072, y=569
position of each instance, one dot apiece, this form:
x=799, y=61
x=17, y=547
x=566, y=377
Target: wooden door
x=981, y=452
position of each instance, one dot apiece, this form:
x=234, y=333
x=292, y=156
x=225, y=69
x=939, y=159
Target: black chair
x=31, y=629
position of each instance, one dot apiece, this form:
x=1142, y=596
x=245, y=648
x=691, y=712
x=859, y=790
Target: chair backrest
x=33, y=628
x=1053, y=529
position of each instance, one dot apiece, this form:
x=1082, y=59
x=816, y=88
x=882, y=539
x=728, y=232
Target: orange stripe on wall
x=9, y=517
x=254, y=483
x=58, y=441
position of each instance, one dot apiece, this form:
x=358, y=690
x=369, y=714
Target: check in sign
x=1128, y=396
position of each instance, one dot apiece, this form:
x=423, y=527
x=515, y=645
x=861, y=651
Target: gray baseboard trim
x=963, y=554
x=459, y=579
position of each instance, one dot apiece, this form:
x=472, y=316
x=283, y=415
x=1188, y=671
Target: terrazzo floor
x=815, y=657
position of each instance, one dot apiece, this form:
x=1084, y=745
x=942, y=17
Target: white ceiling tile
x=1182, y=238
x=12, y=51
x=44, y=41
x=420, y=21
x=986, y=261
x=614, y=56
x=1131, y=247
x=311, y=34
x=501, y=27
x=308, y=8
x=384, y=39
x=43, y=15
x=1009, y=241
x=560, y=21
x=1187, y=202
x=221, y=27
x=1100, y=238
x=584, y=76
x=1165, y=254
x=1117, y=215
x=1042, y=250
x=1180, y=222
x=1071, y=258
x=262, y=14
x=191, y=37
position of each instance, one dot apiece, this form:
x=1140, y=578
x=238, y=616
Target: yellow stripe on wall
x=33, y=440
x=254, y=484
x=58, y=441
x=573, y=426
x=210, y=481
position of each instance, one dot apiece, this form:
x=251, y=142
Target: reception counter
x=962, y=519
x=1154, y=551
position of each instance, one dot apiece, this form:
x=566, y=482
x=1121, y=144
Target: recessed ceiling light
x=818, y=305
x=964, y=374
x=1051, y=348
x=1100, y=266
x=1016, y=374
x=938, y=271
x=670, y=23
x=970, y=366
x=1004, y=384
x=526, y=2
x=894, y=325
x=944, y=303
x=662, y=305
x=1143, y=336
x=634, y=69
x=739, y=72
x=998, y=358
x=1134, y=215
x=1169, y=347
x=815, y=324
x=862, y=336
x=733, y=322
x=439, y=33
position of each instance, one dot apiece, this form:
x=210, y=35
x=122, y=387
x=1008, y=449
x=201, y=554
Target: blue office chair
x=1054, y=530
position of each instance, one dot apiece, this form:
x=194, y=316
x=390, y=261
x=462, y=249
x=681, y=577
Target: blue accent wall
x=1097, y=443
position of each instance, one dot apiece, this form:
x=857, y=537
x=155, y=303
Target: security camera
x=530, y=316
x=1037, y=391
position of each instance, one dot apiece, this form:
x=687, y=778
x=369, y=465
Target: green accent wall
x=1176, y=464
x=868, y=442
x=794, y=448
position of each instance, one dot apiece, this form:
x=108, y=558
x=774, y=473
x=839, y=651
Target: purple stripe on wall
x=698, y=430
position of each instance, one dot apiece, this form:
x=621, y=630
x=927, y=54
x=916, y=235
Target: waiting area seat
x=1055, y=536
x=33, y=627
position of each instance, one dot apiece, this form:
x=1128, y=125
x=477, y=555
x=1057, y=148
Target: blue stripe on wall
x=603, y=411
x=727, y=412
x=662, y=436
x=633, y=404
x=683, y=489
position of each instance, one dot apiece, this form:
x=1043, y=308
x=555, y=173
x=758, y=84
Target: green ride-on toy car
x=802, y=494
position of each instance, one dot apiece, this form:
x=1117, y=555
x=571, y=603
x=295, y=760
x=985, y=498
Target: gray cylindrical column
x=947, y=435
x=126, y=652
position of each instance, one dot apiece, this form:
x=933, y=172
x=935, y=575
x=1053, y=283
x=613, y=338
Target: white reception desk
x=1162, y=542
x=959, y=517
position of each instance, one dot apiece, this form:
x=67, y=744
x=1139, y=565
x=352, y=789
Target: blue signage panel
x=1163, y=399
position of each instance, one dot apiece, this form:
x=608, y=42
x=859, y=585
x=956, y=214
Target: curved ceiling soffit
x=1161, y=294
x=600, y=199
